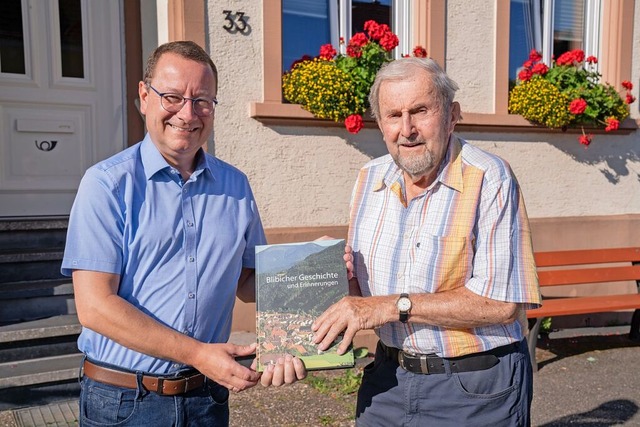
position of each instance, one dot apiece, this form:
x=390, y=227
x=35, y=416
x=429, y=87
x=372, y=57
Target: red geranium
x=578, y=106
x=419, y=52
x=534, y=56
x=629, y=99
x=540, y=68
x=571, y=57
x=389, y=41
x=585, y=139
x=612, y=124
x=354, y=123
x=591, y=59
x=327, y=52
x=627, y=84
x=358, y=40
x=525, y=74
x=376, y=31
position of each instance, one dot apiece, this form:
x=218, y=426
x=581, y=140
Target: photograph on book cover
x=295, y=283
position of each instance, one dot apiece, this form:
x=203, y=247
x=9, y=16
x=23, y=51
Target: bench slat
x=587, y=256
x=588, y=275
x=584, y=305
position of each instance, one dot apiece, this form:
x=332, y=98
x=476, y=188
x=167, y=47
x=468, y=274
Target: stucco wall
x=303, y=176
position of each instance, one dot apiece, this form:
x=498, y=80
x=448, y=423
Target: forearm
x=102, y=310
x=125, y=324
x=460, y=308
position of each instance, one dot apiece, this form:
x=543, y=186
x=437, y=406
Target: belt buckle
x=424, y=366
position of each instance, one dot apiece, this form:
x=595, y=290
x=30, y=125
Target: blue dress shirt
x=179, y=247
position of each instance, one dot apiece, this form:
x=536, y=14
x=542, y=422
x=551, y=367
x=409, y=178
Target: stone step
x=19, y=256
x=35, y=349
x=27, y=234
x=43, y=328
x=27, y=301
x=36, y=288
x=26, y=271
x=39, y=371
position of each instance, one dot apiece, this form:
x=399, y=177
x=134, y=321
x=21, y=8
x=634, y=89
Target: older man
x=445, y=266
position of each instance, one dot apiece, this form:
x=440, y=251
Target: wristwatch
x=404, y=307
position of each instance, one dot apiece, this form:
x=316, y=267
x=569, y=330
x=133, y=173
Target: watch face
x=404, y=304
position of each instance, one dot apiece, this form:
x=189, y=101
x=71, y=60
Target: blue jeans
x=498, y=397
x=107, y=405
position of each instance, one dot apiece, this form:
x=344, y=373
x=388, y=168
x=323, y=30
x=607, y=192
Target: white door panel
x=62, y=108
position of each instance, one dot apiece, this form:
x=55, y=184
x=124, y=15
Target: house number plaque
x=235, y=22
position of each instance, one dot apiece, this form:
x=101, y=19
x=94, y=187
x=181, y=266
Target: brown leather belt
x=433, y=364
x=167, y=386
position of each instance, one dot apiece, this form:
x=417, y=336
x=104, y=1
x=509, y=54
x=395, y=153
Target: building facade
x=72, y=102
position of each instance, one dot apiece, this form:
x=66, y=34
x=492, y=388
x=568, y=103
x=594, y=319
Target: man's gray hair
x=444, y=87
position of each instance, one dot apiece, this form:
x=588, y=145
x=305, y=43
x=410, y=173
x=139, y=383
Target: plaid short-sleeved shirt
x=469, y=228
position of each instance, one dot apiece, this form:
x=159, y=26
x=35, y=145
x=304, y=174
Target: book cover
x=295, y=283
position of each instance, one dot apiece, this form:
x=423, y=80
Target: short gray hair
x=402, y=68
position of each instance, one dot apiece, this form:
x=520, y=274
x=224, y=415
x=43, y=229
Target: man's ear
x=455, y=115
x=143, y=94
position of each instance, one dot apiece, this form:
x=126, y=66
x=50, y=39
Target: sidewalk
x=583, y=381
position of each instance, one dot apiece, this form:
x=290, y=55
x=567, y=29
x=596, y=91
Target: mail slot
x=45, y=126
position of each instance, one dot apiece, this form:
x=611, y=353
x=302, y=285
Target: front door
x=61, y=99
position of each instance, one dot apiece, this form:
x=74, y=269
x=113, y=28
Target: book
x=295, y=283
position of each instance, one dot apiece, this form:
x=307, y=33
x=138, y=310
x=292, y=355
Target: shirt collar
x=153, y=162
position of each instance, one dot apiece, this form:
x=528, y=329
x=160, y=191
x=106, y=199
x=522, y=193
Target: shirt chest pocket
x=440, y=263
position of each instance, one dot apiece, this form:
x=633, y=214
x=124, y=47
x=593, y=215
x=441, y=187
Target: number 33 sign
x=235, y=22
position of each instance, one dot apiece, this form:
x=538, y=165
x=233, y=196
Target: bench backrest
x=609, y=265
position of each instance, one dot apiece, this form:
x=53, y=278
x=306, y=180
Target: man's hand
x=348, y=260
x=286, y=370
x=350, y=314
x=220, y=366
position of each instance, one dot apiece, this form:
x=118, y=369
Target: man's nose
x=408, y=128
x=188, y=110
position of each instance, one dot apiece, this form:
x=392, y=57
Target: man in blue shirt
x=161, y=240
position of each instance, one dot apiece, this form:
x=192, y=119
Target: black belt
x=432, y=364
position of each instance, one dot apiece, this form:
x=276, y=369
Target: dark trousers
x=496, y=397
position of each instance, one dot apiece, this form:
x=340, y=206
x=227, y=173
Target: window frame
x=429, y=30
x=273, y=109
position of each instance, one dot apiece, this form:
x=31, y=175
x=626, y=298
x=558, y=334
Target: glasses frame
x=214, y=102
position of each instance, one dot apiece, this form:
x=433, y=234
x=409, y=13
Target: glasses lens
x=202, y=107
x=172, y=102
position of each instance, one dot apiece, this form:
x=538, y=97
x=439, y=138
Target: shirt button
x=185, y=332
x=191, y=295
x=189, y=224
x=191, y=259
x=184, y=190
x=176, y=366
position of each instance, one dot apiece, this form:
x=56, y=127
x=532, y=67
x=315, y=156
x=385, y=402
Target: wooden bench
x=578, y=267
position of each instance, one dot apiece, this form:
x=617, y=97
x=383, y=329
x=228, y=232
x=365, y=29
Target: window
x=11, y=38
x=424, y=26
x=552, y=28
x=308, y=24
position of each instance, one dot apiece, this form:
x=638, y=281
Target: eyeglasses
x=173, y=102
